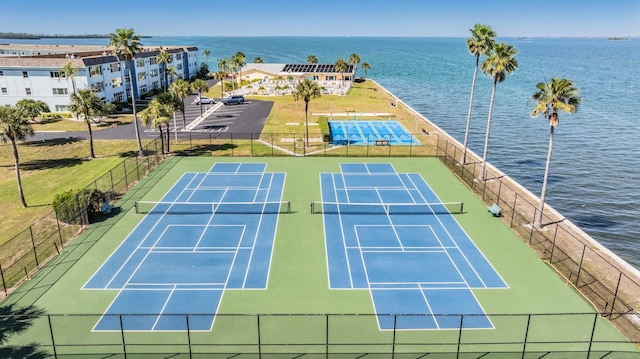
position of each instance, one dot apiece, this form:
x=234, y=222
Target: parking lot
x=242, y=120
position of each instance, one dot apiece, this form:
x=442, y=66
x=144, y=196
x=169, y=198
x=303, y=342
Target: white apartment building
x=36, y=73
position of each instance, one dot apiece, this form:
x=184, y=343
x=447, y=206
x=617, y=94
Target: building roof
x=294, y=69
x=57, y=56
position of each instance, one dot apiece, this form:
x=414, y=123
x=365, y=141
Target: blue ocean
x=595, y=170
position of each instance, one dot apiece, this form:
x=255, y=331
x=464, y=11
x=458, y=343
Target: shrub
x=323, y=124
x=55, y=115
x=73, y=206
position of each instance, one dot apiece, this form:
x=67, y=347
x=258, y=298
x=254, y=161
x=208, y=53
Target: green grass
x=74, y=125
x=49, y=168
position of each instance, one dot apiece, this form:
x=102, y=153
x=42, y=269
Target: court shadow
x=15, y=320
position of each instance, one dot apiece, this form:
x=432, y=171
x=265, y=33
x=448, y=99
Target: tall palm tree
x=156, y=115
x=15, y=127
x=224, y=67
x=341, y=66
x=354, y=59
x=312, y=59
x=481, y=42
x=164, y=58
x=171, y=72
x=206, y=53
x=200, y=85
x=69, y=72
x=87, y=103
x=238, y=60
x=307, y=90
x=559, y=94
x=125, y=46
x=258, y=60
x=221, y=75
x=499, y=63
x=365, y=66
x=181, y=90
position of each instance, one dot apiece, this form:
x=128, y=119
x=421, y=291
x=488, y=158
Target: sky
x=412, y=18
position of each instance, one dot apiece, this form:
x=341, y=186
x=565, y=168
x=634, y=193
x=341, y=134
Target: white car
x=204, y=100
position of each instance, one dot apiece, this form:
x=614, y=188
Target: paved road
x=241, y=120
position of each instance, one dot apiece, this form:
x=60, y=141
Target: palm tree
x=365, y=66
x=200, y=85
x=224, y=67
x=307, y=90
x=559, y=94
x=156, y=115
x=258, y=60
x=15, y=127
x=312, y=59
x=68, y=71
x=164, y=58
x=171, y=71
x=221, y=75
x=497, y=65
x=206, y=53
x=125, y=46
x=87, y=103
x=181, y=90
x=341, y=66
x=173, y=103
x=354, y=60
x=481, y=42
x=238, y=60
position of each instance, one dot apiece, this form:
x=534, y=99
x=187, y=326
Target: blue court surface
x=368, y=132
x=173, y=263
x=414, y=264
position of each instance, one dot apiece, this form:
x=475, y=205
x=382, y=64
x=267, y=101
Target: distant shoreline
x=25, y=36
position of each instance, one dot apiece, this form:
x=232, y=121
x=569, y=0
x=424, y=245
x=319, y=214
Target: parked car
x=233, y=100
x=204, y=100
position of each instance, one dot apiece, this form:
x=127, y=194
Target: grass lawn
x=49, y=168
x=75, y=125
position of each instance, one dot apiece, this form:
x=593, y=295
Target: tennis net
x=151, y=207
x=387, y=208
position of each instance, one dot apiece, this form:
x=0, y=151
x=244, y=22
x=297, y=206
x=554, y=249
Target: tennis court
x=211, y=232
x=368, y=132
x=388, y=232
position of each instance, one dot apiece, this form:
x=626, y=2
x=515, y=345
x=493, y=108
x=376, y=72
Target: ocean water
x=595, y=169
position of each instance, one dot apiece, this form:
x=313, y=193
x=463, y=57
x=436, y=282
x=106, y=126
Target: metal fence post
x=393, y=344
x=584, y=248
x=124, y=166
x=188, y=336
x=593, y=331
x=513, y=211
x=251, y=142
x=526, y=335
x=33, y=245
x=326, y=343
x=124, y=344
x=615, y=296
x=259, y=340
x=53, y=341
x=4, y=284
x=459, y=336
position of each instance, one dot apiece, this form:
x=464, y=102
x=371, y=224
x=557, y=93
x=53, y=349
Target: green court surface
x=538, y=314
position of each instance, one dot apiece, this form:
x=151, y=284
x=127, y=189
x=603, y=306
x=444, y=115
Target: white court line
x=164, y=306
x=428, y=306
x=344, y=242
x=390, y=221
x=255, y=239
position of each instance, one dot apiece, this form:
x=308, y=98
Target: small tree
x=156, y=115
x=312, y=59
x=307, y=90
x=164, y=58
x=354, y=59
x=32, y=108
x=258, y=60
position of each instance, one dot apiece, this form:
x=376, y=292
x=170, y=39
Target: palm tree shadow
x=54, y=142
x=51, y=164
x=15, y=320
